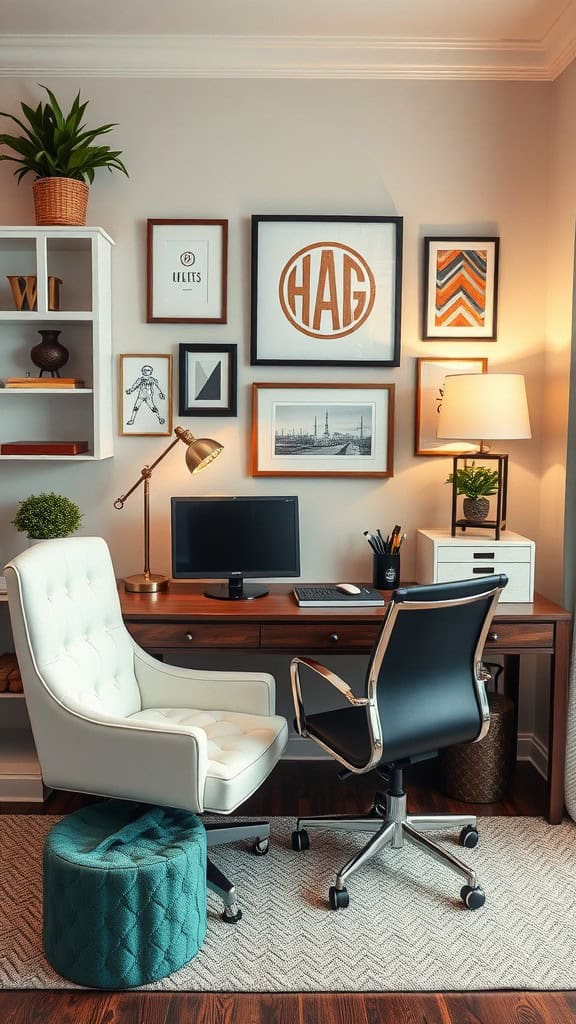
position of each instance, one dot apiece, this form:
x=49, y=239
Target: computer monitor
x=219, y=538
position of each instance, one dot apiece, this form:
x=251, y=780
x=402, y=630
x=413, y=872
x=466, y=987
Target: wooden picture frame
x=148, y=377
x=323, y=429
x=430, y=375
x=187, y=270
x=460, y=288
x=326, y=290
x=207, y=380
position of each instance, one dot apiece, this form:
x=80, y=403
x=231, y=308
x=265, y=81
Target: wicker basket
x=480, y=772
x=60, y=201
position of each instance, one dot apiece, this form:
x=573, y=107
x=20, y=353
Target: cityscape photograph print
x=323, y=430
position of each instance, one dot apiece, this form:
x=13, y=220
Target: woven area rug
x=405, y=929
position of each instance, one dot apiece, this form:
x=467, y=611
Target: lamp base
x=146, y=583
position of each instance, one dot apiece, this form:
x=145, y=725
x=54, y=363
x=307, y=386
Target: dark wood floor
x=306, y=789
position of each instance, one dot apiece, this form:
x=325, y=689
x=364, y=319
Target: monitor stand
x=236, y=590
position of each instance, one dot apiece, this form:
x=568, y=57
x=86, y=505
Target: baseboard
x=530, y=748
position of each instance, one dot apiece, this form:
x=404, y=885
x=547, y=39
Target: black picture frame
x=356, y=245
x=485, y=247
x=216, y=381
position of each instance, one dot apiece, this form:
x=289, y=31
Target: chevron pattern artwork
x=405, y=928
x=461, y=287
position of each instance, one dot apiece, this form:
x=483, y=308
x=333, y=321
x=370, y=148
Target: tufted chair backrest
x=68, y=629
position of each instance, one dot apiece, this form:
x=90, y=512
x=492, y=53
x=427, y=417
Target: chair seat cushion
x=242, y=749
x=124, y=893
x=345, y=731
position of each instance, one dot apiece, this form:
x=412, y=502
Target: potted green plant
x=60, y=152
x=476, y=483
x=46, y=516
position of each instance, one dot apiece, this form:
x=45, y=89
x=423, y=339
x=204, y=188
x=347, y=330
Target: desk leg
x=557, y=728
x=512, y=690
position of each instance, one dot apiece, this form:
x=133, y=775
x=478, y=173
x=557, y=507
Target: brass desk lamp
x=199, y=452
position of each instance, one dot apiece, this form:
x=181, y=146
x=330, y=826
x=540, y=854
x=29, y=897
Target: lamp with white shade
x=484, y=407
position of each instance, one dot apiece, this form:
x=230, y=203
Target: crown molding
x=330, y=57
x=560, y=42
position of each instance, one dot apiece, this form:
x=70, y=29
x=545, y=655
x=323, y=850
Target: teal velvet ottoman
x=124, y=893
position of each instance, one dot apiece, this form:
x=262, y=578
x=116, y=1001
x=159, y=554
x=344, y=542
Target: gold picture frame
x=148, y=377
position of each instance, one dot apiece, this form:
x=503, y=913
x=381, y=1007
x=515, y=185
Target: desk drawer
x=517, y=634
x=194, y=635
x=320, y=636
x=519, y=576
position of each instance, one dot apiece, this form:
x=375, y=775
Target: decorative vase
x=476, y=509
x=49, y=354
x=60, y=201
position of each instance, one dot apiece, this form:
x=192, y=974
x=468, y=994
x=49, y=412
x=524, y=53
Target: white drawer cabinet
x=441, y=558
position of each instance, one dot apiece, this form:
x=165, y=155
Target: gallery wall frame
x=207, y=377
x=187, y=271
x=145, y=394
x=326, y=290
x=315, y=429
x=430, y=376
x=460, y=288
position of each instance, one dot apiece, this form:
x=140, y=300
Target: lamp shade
x=484, y=406
x=201, y=452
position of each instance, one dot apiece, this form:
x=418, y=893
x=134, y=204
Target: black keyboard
x=331, y=597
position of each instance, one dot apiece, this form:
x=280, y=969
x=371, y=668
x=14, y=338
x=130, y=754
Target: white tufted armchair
x=110, y=720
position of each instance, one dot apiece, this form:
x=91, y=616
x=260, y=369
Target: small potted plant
x=59, y=151
x=46, y=516
x=476, y=483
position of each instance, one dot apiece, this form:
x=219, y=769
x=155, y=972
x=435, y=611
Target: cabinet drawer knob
x=492, y=636
x=189, y=636
x=334, y=637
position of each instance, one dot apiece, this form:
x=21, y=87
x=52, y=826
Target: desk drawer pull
x=189, y=636
x=493, y=637
x=485, y=570
x=334, y=638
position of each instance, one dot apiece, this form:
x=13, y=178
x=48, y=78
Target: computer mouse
x=348, y=588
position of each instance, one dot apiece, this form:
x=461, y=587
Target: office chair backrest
x=72, y=646
x=423, y=673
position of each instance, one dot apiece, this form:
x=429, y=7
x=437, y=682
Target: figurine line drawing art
x=145, y=385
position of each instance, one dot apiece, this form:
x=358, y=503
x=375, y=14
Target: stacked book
x=43, y=382
x=10, y=679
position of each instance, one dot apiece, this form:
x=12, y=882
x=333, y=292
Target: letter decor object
x=326, y=291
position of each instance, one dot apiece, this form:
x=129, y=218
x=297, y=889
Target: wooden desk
x=183, y=619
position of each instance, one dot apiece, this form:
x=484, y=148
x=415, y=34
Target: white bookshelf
x=81, y=258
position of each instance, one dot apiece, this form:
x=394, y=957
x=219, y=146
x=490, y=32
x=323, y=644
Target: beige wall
x=461, y=157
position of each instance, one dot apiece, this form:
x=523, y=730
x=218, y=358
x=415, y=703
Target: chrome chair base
x=393, y=827
x=218, y=834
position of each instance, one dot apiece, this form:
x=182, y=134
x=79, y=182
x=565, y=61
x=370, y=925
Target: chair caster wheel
x=300, y=840
x=469, y=837
x=472, y=898
x=232, y=914
x=339, y=898
x=261, y=847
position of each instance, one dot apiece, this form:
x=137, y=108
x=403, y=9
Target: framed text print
x=430, y=377
x=326, y=291
x=145, y=393
x=207, y=380
x=323, y=429
x=460, y=288
x=187, y=271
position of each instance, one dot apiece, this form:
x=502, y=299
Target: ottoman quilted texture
x=124, y=893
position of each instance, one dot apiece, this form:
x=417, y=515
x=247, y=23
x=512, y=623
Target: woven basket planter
x=60, y=201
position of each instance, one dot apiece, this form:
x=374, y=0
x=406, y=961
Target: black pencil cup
x=386, y=571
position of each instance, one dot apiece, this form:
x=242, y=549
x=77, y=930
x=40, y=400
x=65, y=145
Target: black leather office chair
x=424, y=691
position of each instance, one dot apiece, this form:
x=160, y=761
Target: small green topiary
x=46, y=516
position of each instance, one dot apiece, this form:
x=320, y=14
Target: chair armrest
x=130, y=761
x=163, y=685
x=326, y=674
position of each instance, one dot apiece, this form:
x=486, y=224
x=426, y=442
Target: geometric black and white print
x=207, y=380
x=405, y=928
